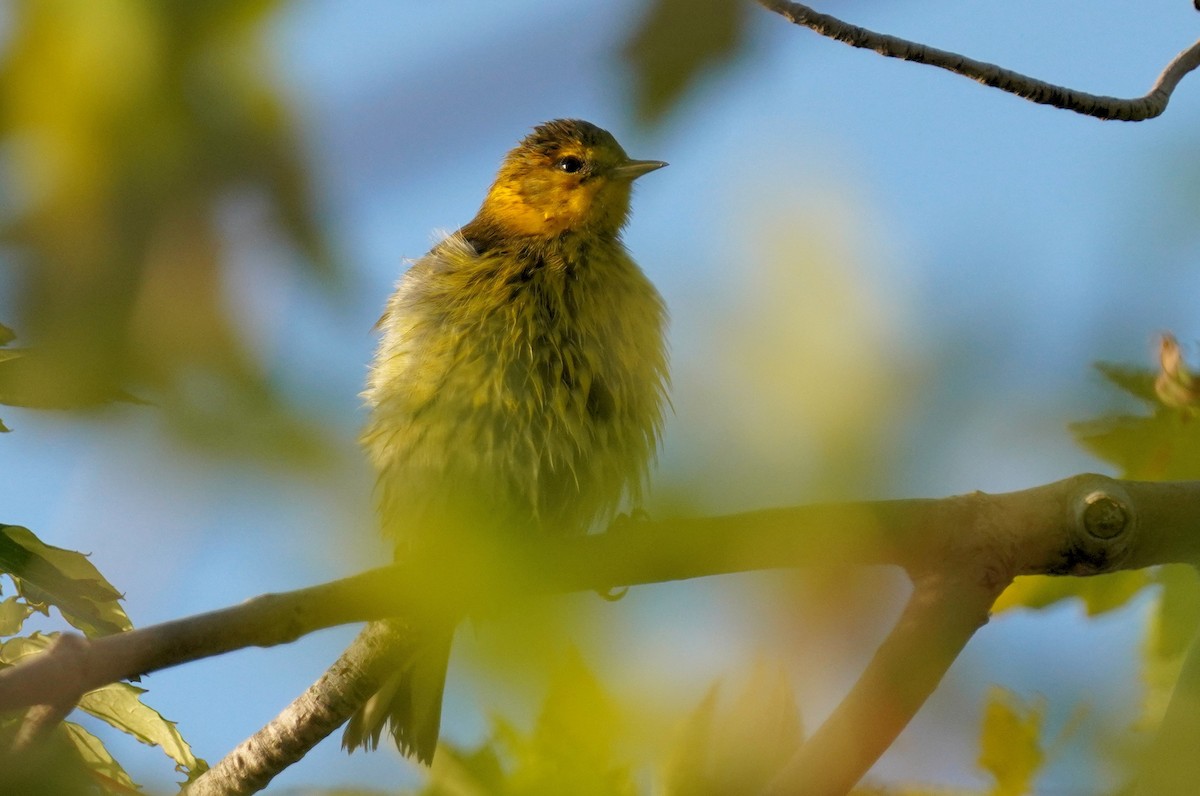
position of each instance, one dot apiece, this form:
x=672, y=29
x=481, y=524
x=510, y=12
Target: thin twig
x=1030, y=88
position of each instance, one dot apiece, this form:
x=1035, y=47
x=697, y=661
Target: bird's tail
x=409, y=703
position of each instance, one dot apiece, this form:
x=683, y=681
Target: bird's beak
x=632, y=169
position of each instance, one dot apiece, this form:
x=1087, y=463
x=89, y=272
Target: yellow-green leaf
x=1010, y=743
x=1178, y=616
x=91, y=750
x=120, y=705
x=1099, y=594
x=463, y=772
x=34, y=379
x=63, y=578
x=14, y=649
x=138, y=127
x=1172, y=627
x=676, y=42
x=573, y=746
x=738, y=747
x=688, y=765
x=13, y=613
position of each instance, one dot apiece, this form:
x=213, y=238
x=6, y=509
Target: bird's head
x=565, y=176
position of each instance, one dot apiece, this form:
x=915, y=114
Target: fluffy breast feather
x=522, y=386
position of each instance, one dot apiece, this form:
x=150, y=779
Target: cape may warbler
x=519, y=384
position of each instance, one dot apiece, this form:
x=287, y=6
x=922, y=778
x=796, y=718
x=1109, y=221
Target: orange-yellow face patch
x=534, y=196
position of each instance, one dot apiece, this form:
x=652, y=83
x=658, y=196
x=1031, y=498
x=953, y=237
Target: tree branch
x=73, y=665
x=326, y=705
x=939, y=620
x=1030, y=88
x=959, y=551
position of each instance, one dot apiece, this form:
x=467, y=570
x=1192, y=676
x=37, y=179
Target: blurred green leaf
x=690, y=760
x=676, y=43
x=1138, y=382
x=741, y=747
x=33, y=379
x=1161, y=446
x=1172, y=627
x=52, y=768
x=93, y=754
x=1010, y=742
x=572, y=748
x=1164, y=446
x=459, y=772
x=142, y=142
x=1178, y=616
x=1099, y=594
x=120, y=705
x=48, y=575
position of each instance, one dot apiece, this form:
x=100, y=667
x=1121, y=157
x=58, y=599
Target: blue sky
x=884, y=281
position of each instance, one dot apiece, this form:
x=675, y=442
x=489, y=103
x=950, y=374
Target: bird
x=518, y=389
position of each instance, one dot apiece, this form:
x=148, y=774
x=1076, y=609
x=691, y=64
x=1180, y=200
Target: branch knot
x=1104, y=517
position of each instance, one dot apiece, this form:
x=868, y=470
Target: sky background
x=884, y=281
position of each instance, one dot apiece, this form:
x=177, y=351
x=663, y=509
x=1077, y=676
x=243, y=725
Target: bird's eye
x=570, y=164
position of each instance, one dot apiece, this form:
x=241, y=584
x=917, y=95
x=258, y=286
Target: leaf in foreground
x=48, y=575
x=92, y=752
x=120, y=705
x=676, y=42
x=1010, y=742
x=741, y=746
x=13, y=613
x=1099, y=594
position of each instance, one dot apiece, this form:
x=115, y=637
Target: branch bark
x=1152, y=104
x=939, y=620
x=326, y=705
x=960, y=552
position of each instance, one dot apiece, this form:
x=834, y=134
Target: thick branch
x=1039, y=530
x=960, y=552
x=1030, y=88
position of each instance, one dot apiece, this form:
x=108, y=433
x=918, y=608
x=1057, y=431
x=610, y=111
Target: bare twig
x=1030, y=88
